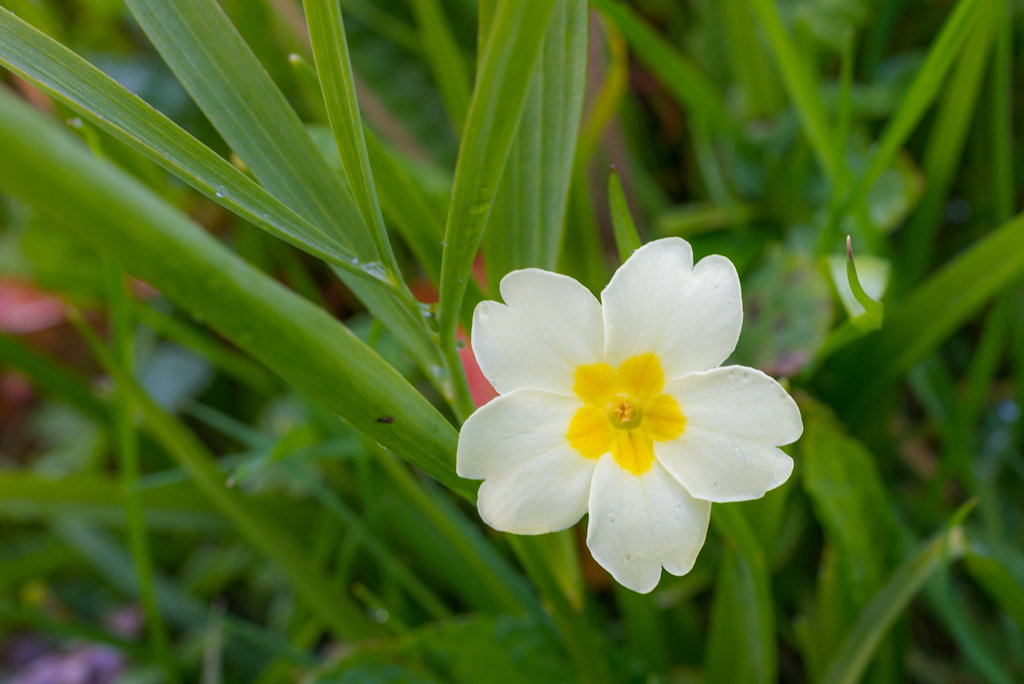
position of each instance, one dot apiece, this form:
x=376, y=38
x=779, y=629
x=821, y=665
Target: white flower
x=618, y=408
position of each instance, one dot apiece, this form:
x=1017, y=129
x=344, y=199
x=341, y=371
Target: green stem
x=127, y=448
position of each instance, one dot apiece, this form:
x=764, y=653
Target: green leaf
x=948, y=137
x=1001, y=586
x=334, y=68
x=855, y=652
x=514, y=44
x=158, y=244
x=626, y=238
x=526, y=226
x=874, y=309
x=77, y=84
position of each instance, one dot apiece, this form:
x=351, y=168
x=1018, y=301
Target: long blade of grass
x=127, y=448
x=513, y=47
x=445, y=58
x=525, y=228
x=802, y=88
x=919, y=97
x=888, y=604
x=151, y=240
x=334, y=68
x=104, y=102
x=947, y=139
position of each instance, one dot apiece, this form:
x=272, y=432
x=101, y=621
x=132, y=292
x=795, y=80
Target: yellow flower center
x=624, y=412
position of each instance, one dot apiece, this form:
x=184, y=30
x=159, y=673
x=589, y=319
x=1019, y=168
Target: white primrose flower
x=619, y=408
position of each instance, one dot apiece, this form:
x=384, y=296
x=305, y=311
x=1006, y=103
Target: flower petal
x=639, y=524
x=535, y=482
x=735, y=418
x=548, y=326
x=739, y=401
x=658, y=302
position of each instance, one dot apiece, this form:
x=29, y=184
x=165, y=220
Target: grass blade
x=334, y=68
x=851, y=661
x=626, y=238
x=802, y=88
x=919, y=97
x=525, y=228
x=514, y=45
x=445, y=58
x=263, y=533
x=151, y=240
x=947, y=139
x=127, y=448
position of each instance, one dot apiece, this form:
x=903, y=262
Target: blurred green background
x=764, y=130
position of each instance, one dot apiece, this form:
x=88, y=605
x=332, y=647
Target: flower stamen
x=625, y=412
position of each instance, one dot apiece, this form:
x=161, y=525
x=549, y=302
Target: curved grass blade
x=854, y=655
x=936, y=309
x=156, y=243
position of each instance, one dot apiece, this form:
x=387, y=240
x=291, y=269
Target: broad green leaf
x=514, y=44
x=235, y=93
x=334, y=68
x=158, y=244
x=77, y=84
x=851, y=661
x=525, y=228
x=693, y=90
x=626, y=238
x=802, y=87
